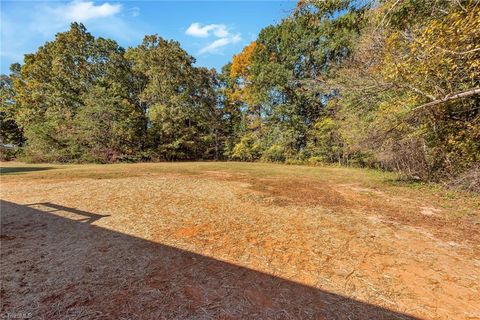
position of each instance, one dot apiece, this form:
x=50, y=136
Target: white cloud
x=101, y=18
x=197, y=30
x=216, y=45
x=82, y=11
x=26, y=26
x=220, y=31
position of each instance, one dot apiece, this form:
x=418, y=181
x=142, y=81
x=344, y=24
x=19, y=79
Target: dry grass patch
x=234, y=241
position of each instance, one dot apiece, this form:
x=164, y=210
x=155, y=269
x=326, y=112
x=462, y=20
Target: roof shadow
x=56, y=268
x=16, y=170
x=84, y=216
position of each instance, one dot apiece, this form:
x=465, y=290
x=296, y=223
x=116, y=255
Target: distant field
x=218, y=240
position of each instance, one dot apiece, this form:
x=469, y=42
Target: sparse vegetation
x=234, y=240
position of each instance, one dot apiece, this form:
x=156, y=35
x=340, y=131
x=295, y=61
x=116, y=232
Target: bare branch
x=454, y=96
x=433, y=98
x=386, y=14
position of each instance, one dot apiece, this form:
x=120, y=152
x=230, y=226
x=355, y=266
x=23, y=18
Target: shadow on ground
x=54, y=267
x=16, y=170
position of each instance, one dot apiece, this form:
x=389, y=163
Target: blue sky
x=211, y=31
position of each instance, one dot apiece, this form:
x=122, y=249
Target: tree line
x=390, y=84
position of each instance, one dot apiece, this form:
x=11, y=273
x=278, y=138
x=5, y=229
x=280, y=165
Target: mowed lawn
x=226, y=240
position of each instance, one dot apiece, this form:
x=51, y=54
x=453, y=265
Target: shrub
x=275, y=153
x=247, y=149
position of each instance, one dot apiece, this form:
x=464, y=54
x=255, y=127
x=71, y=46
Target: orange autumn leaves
x=240, y=71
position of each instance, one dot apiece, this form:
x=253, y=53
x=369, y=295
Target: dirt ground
x=233, y=241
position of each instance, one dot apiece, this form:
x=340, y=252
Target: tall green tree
x=178, y=98
x=56, y=85
x=276, y=77
x=10, y=133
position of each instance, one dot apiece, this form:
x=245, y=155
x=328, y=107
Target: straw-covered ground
x=234, y=241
